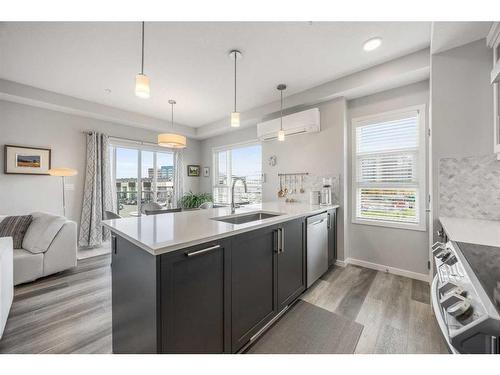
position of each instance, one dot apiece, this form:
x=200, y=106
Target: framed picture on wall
x=206, y=171
x=193, y=170
x=26, y=160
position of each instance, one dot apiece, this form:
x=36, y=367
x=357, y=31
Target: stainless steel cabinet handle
x=202, y=251
x=318, y=222
x=282, y=240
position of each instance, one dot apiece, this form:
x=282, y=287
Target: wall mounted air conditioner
x=296, y=123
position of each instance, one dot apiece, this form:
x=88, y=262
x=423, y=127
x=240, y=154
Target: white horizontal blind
x=387, y=170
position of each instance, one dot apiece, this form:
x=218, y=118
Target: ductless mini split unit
x=297, y=123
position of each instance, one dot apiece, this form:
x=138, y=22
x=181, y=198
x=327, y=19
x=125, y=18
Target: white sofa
x=49, y=246
x=6, y=280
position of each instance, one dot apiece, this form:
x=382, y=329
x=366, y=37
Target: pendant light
x=235, y=115
x=281, y=133
x=170, y=139
x=142, y=80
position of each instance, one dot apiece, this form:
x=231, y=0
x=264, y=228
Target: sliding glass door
x=141, y=175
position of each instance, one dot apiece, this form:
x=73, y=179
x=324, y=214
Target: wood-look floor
x=394, y=310
x=71, y=312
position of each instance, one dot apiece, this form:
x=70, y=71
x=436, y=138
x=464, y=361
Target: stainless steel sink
x=245, y=218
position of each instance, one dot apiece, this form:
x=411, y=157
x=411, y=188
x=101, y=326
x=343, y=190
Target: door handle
x=202, y=251
x=318, y=222
x=282, y=240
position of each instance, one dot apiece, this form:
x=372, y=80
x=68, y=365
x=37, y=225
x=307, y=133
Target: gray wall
x=398, y=248
x=462, y=107
x=319, y=154
x=30, y=126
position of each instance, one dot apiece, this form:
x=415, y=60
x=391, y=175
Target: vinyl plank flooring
x=420, y=291
x=69, y=312
x=352, y=301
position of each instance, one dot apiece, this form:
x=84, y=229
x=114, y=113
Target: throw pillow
x=15, y=227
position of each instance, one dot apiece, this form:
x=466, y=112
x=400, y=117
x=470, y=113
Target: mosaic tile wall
x=470, y=187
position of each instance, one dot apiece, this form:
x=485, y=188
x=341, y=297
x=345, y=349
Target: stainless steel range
x=466, y=296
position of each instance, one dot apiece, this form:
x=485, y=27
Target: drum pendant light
x=281, y=132
x=172, y=140
x=142, y=80
x=235, y=115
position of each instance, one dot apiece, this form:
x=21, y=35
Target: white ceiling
x=188, y=61
x=447, y=35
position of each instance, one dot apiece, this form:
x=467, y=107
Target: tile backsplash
x=470, y=187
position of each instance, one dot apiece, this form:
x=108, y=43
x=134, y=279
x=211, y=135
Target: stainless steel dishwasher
x=317, y=247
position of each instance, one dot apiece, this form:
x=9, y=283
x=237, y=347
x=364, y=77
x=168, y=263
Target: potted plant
x=191, y=200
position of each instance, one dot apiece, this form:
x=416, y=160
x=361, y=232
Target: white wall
x=63, y=133
x=396, y=248
x=462, y=107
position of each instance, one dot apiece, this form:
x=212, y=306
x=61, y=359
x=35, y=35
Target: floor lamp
x=63, y=172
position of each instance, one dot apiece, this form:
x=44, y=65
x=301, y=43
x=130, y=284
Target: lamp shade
x=235, y=119
x=281, y=135
x=172, y=140
x=63, y=172
x=142, y=86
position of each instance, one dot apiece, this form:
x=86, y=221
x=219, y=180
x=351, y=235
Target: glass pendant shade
x=172, y=140
x=142, y=86
x=235, y=119
x=281, y=135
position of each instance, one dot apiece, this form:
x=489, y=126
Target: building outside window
x=143, y=172
x=243, y=161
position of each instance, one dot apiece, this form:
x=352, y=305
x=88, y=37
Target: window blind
x=387, y=176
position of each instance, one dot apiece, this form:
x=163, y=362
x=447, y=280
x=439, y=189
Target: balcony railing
x=127, y=200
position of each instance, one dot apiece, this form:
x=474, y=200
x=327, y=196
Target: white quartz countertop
x=158, y=234
x=480, y=232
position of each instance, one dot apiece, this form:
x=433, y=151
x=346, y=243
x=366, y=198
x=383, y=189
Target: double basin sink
x=246, y=218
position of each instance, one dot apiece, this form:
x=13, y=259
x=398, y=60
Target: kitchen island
x=207, y=281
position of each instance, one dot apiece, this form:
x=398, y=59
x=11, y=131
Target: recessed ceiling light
x=372, y=44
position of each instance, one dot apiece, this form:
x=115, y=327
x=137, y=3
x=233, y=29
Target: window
x=389, y=169
x=244, y=161
x=141, y=171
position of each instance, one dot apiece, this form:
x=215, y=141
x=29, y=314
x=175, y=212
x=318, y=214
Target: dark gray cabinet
x=134, y=297
x=192, y=299
x=332, y=236
x=253, y=269
x=291, y=278
x=209, y=298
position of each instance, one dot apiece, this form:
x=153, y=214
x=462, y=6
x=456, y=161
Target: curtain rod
x=125, y=139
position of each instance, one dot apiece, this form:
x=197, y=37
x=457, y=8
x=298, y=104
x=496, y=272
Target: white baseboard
x=393, y=270
x=340, y=263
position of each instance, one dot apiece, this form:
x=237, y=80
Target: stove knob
x=451, y=260
x=444, y=255
x=459, y=308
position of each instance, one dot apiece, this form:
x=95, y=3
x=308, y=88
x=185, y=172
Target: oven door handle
x=438, y=313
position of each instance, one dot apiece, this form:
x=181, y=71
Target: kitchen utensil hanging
x=289, y=183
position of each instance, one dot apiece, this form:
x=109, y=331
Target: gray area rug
x=308, y=329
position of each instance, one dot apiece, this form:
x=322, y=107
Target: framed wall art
x=193, y=170
x=26, y=160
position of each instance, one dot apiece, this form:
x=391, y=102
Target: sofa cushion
x=27, y=266
x=15, y=227
x=42, y=231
